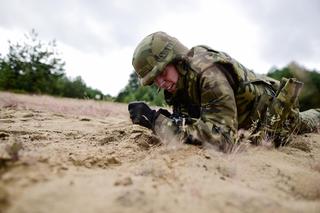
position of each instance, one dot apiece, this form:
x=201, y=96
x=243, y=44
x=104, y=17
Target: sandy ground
x=66, y=155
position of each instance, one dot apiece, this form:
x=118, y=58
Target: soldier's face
x=168, y=79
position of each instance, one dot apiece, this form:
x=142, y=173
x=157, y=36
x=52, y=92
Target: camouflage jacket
x=217, y=95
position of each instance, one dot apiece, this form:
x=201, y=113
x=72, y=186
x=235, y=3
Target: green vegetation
x=309, y=97
x=134, y=92
x=35, y=67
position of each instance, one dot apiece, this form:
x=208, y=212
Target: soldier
x=213, y=96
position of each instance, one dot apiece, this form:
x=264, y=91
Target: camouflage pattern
x=223, y=96
x=218, y=95
x=309, y=121
x=154, y=53
x=218, y=92
x=282, y=117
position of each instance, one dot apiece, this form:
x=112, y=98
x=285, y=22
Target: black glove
x=164, y=112
x=142, y=114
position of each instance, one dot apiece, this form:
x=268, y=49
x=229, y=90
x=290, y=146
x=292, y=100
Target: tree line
x=33, y=66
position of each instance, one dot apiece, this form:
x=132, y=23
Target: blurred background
x=83, y=49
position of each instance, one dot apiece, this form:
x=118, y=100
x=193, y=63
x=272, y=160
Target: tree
x=33, y=66
x=36, y=67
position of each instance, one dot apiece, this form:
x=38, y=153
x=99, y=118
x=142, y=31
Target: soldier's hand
x=142, y=114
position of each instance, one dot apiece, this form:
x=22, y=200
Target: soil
x=67, y=155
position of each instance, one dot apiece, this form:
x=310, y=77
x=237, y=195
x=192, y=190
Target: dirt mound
x=64, y=160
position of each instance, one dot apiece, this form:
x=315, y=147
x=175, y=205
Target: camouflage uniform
x=216, y=96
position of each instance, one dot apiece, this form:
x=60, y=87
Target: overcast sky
x=97, y=37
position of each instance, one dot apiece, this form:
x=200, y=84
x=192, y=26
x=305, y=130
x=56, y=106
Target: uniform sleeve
x=218, y=105
x=218, y=118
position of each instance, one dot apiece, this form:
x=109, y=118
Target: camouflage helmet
x=154, y=53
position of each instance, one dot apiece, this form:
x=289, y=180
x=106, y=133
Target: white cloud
x=97, y=38
x=108, y=72
x=216, y=24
